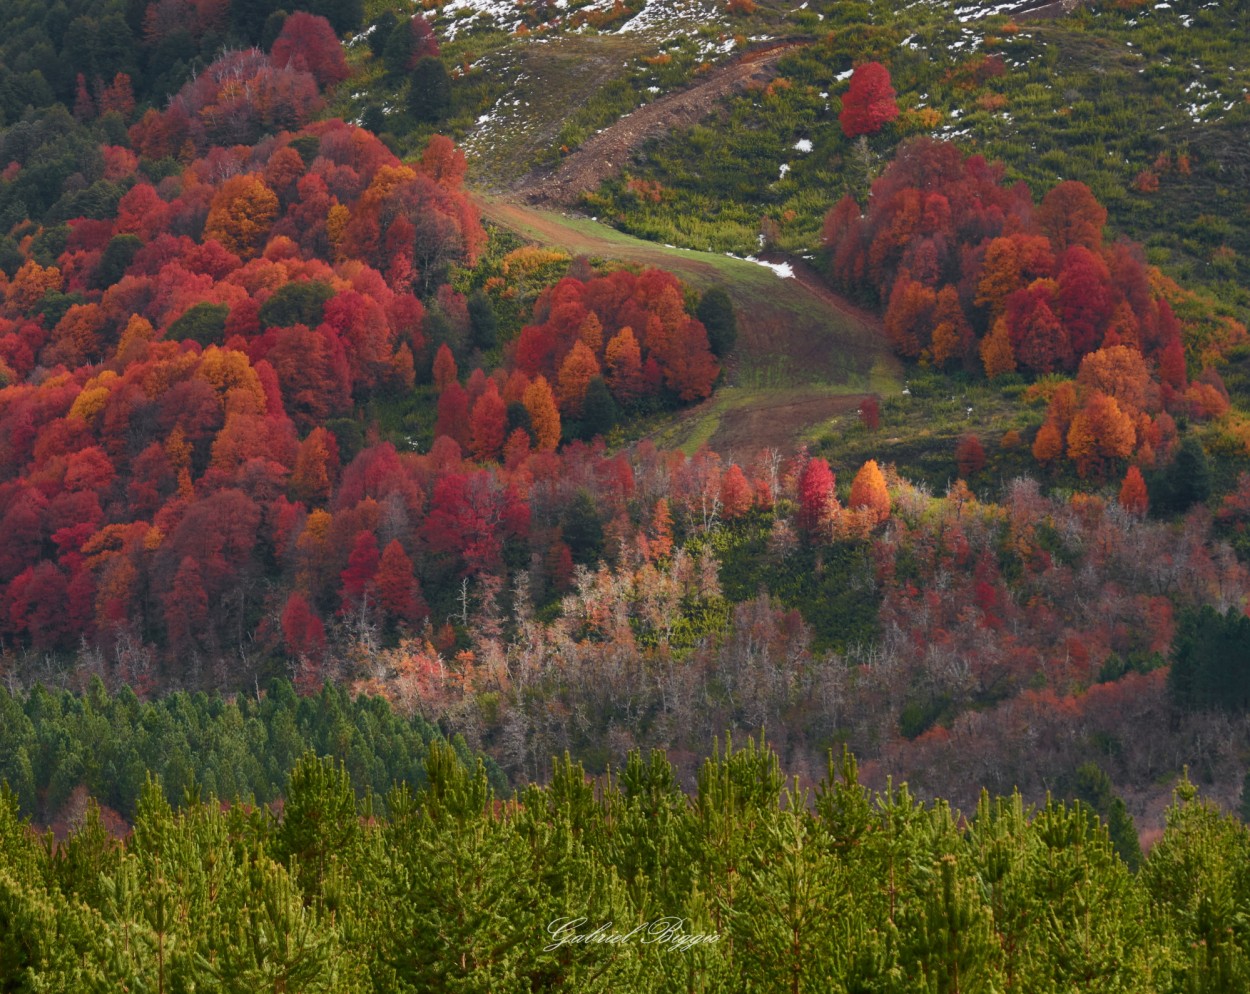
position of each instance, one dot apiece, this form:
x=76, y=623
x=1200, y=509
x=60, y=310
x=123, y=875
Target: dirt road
x=602, y=155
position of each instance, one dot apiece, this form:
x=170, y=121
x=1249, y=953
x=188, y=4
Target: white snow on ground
x=451, y=20
x=658, y=23
x=977, y=12
x=783, y=269
x=673, y=16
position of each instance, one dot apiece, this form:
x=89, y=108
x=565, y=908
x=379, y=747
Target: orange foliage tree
x=1100, y=432
x=1134, y=497
x=241, y=213
x=576, y=372
x=540, y=402
x=624, y=366
x=869, y=493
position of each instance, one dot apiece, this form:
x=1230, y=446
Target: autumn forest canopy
x=321, y=494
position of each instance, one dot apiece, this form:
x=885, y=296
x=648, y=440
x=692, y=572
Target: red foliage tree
x=186, y=607
x=443, y=161
x=1086, y=300
x=488, y=424
x=1172, y=369
x=1070, y=215
x=37, y=601
x=398, y=589
x=118, y=96
x=969, y=456
x=1039, y=341
x=424, y=41
x=453, y=414
x=309, y=42
x=735, y=493
x=1134, y=497
x=302, y=631
x=870, y=412
x=356, y=580
x=816, y=495
x=869, y=103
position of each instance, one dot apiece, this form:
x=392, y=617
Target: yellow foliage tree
x=1048, y=445
x=952, y=335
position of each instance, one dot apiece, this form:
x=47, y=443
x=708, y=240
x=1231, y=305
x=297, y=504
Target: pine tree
x=599, y=411
x=716, y=311
x=581, y=528
x=1094, y=787
x=482, y=320
x=319, y=822
x=429, y=91
x=274, y=943
x=949, y=945
x=397, y=50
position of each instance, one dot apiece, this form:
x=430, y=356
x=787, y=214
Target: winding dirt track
x=602, y=155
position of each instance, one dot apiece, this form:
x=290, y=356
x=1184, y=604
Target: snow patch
x=783, y=269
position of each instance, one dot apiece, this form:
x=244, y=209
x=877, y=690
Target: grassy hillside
x=1121, y=100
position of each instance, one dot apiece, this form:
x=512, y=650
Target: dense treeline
x=212, y=309
x=752, y=883
x=188, y=369
x=56, y=744
x=921, y=630
x=976, y=276
x=73, y=51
